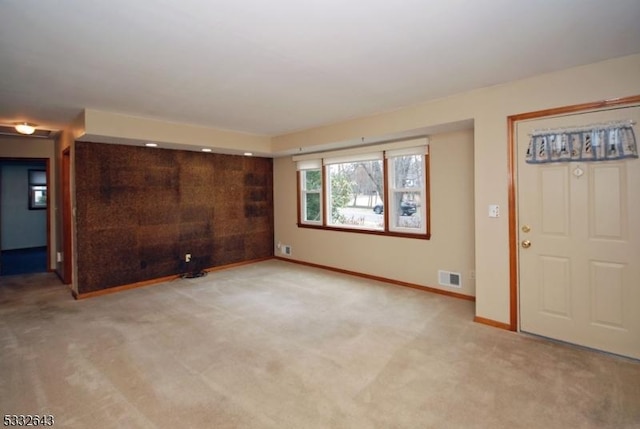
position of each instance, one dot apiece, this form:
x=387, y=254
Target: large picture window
x=352, y=186
x=382, y=190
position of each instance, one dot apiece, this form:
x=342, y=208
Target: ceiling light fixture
x=25, y=128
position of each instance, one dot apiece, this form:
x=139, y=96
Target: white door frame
x=513, y=179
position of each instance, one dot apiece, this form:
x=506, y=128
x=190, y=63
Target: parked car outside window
x=407, y=208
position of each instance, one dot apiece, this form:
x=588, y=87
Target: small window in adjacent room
x=37, y=189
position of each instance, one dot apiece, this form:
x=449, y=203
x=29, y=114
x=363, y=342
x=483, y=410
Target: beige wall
x=489, y=108
x=26, y=147
x=416, y=261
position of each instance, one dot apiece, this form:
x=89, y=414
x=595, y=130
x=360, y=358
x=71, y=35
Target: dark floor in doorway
x=23, y=261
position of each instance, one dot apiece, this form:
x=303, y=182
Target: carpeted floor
x=277, y=345
x=23, y=261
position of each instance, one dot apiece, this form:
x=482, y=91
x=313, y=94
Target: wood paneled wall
x=140, y=210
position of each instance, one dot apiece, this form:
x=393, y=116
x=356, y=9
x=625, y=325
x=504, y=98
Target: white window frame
x=304, y=167
x=394, y=209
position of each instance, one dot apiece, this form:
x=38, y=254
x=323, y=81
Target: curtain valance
x=362, y=153
x=596, y=142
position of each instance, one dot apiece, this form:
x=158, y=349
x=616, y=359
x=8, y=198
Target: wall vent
x=448, y=278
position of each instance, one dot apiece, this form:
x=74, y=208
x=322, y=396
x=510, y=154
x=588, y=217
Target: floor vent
x=448, y=278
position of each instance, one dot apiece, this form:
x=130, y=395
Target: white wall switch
x=494, y=210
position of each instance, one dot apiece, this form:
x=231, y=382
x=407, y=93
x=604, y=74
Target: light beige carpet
x=277, y=345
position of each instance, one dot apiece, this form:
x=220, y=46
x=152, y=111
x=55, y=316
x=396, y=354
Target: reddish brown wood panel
x=141, y=210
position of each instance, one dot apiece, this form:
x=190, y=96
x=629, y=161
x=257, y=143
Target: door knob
x=526, y=244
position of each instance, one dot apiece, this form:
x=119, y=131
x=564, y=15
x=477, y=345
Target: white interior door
x=579, y=281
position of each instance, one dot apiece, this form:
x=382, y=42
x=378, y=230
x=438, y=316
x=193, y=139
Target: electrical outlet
x=187, y=257
x=472, y=274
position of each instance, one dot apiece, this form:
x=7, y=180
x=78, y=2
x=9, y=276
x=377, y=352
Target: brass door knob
x=526, y=244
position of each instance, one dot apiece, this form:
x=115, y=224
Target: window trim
x=391, y=188
x=393, y=149
x=328, y=216
x=302, y=203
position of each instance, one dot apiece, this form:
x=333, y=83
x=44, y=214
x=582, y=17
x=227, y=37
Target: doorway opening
x=24, y=216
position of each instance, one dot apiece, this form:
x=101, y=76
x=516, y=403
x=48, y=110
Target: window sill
x=367, y=231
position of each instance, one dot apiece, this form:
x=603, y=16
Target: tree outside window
x=351, y=186
x=311, y=196
x=406, y=190
x=384, y=191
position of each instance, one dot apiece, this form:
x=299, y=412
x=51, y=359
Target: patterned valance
x=596, y=142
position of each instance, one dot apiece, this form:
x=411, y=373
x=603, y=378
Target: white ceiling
x=271, y=67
